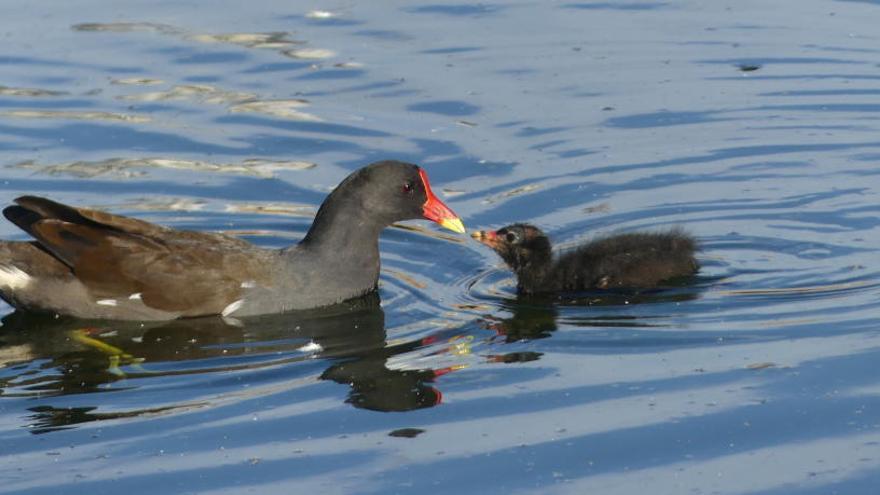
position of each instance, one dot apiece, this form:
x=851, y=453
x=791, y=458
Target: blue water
x=753, y=125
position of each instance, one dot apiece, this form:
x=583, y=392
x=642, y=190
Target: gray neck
x=339, y=257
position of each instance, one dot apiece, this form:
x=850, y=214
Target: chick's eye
x=407, y=187
x=511, y=237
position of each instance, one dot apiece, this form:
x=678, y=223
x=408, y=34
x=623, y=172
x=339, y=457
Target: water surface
x=754, y=126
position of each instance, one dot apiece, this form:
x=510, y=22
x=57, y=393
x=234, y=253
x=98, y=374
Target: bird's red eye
x=407, y=187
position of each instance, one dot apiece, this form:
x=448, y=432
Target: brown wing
x=47, y=209
x=29, y=209
x=115, y=256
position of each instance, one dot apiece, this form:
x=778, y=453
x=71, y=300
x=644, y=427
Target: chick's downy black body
x=625, y=261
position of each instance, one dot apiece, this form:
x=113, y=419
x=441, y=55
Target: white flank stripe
x=106, y=302
x=248, y=284
x=311, y=347
x=232, y=308
x=13, y=278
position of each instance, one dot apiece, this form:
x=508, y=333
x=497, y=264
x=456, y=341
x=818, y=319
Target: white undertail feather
x=232, y=308
x=13, y=277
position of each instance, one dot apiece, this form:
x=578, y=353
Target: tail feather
x=22, y=217
x=49, y=209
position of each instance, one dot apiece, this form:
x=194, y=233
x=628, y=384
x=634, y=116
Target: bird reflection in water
x=42, y=357
x=535, y=316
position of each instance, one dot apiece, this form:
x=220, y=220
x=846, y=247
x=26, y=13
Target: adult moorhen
x=627, y=261
x=91, y=264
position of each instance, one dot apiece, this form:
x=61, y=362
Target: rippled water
x=754, y=125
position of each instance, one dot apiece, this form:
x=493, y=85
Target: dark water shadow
x=8, y=60
x=45, y=104
x=458, y=10
x=537, y=316
x=450, y=108
x=616, y=6
x=302, y=126
x=43, y=358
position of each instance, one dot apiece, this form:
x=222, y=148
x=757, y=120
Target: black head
x=383, y=193
x=520, y=245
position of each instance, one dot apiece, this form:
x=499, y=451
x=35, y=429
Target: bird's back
x=636, y=260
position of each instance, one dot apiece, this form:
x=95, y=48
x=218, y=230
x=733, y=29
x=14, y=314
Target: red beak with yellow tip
x=435, y=210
